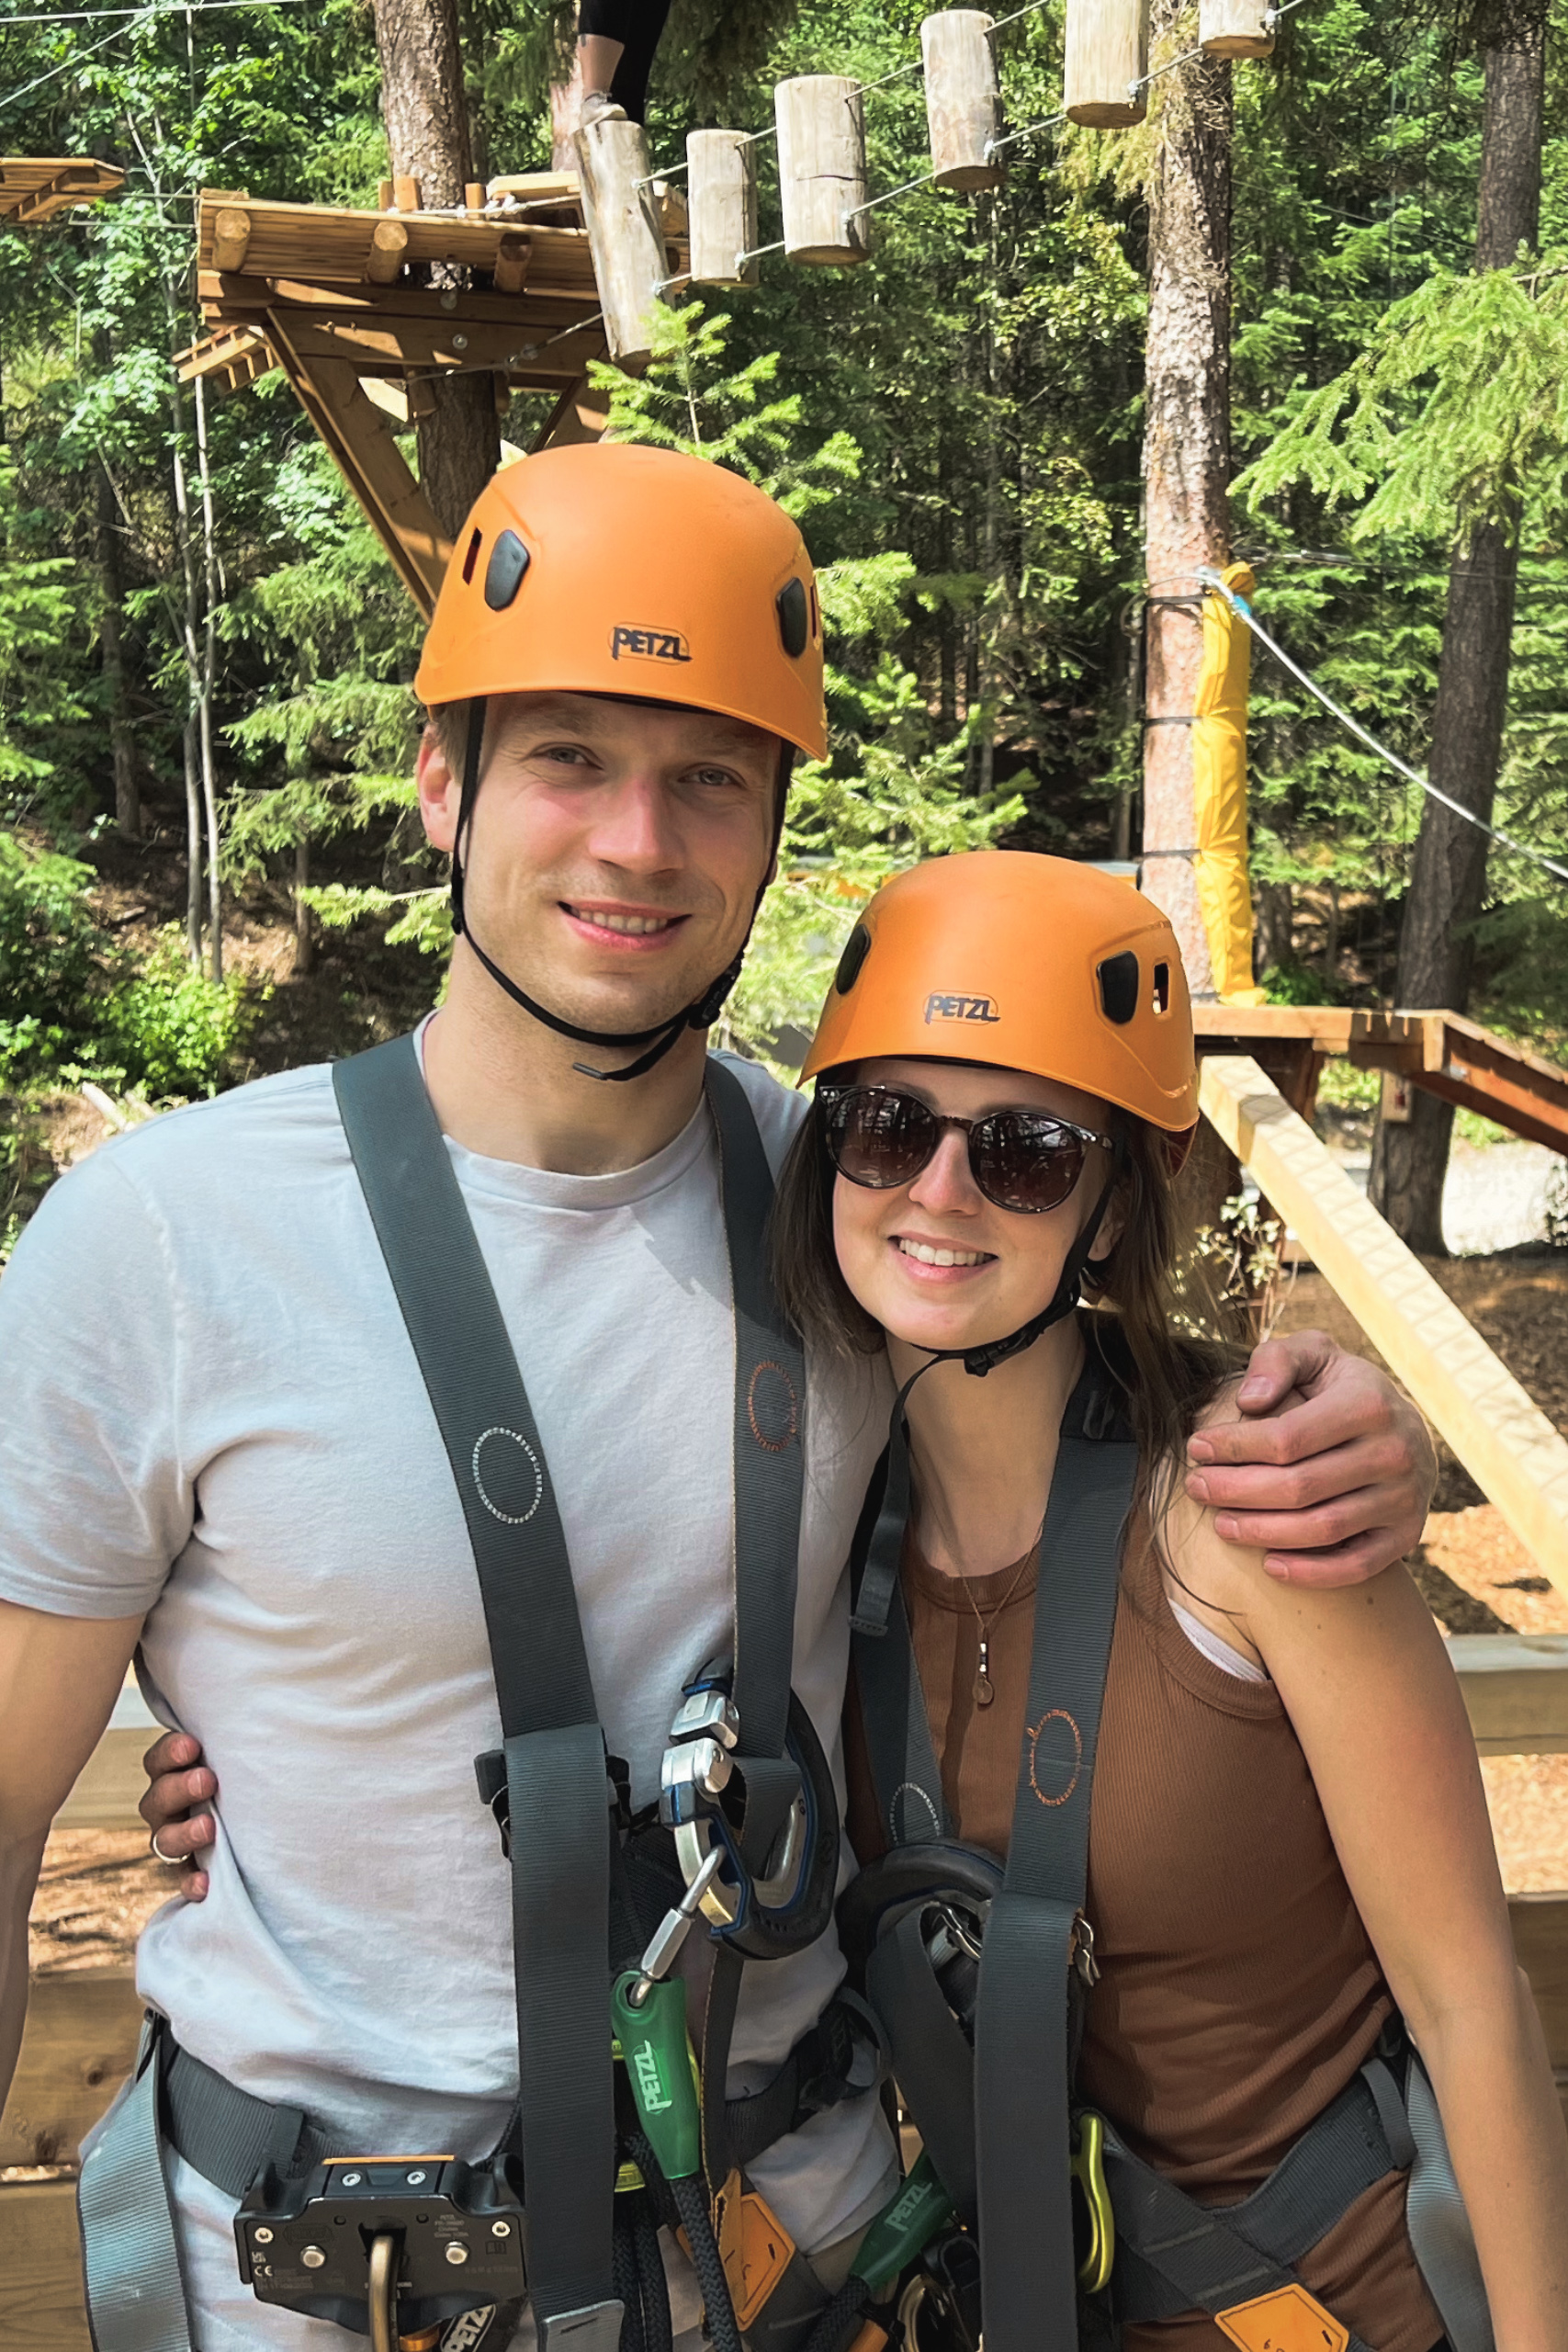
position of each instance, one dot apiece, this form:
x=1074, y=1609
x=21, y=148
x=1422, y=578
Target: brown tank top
x=1238, y=1991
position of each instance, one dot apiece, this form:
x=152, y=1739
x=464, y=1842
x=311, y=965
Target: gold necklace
x=985, y=1689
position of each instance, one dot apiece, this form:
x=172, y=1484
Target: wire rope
x=1239, y=606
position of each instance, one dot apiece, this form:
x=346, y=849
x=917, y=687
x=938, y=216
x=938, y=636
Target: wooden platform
x=1443, y=1053
x=40, y=187
x=341, y=299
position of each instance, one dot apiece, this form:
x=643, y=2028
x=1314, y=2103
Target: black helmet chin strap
x=1062, y=1301
x=701, y=1015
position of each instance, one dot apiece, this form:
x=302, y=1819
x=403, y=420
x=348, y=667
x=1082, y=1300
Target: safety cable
x=88, y=16
x=1238, y=605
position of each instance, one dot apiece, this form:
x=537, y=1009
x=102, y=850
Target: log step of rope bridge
x=626, y=241
x=34, y=188
x=1107, y=52
x=821, y=128
x=721, y=203
x=962, y=101
x=1235, y=27
x=1502, y=1437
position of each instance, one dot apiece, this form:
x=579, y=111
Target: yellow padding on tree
x=1219, y=792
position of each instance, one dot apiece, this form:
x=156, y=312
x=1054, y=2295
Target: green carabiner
x=1087, y=2167
x=651, y=2033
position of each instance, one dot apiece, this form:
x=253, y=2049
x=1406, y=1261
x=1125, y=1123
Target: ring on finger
x=169, y=1861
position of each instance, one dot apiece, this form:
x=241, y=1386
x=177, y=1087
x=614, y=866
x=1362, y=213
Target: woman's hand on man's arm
x=179, y=1787
x=1329, y=1471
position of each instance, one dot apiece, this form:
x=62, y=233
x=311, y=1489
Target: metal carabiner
x=1087, y=2167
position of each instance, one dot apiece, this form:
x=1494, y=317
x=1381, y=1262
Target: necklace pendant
x=985, y=1689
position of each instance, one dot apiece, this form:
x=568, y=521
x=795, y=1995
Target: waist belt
x=228, y=2134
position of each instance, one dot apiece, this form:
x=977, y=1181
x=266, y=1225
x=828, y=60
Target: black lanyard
x=554, y=1763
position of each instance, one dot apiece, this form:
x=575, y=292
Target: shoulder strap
x=557, y=1793
x=904, y=1769
x=555, y=1752
x=1022, y=2064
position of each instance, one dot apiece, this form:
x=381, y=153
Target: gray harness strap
x=904, y=1768
x=130, y=2262
x=1022, y=2062
x=557, y=1783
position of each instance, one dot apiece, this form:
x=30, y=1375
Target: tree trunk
x=302, y=941
x=1186, y=458
x=425, y=109
x=1447, y=873
x=111, y=645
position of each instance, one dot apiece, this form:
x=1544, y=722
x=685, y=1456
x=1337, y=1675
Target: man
x=219, y=1446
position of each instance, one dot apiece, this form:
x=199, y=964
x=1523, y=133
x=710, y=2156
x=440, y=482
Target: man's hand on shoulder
x=179, y=1786
x=1328, y=1472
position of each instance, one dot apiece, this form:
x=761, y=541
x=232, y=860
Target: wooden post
x=1108, y=50
x=1235, y=27
x=388, y=247
x=473, y=195
x=821, y=126
x=405, y=192
x=721, y=200
x=231, y=235
x=623, y=236
x=511, y=263
x=962, y=103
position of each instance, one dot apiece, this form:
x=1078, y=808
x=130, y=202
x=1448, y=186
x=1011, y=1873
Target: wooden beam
x=511, y=263
x=1541, y=1940
x=576, y=416
x=360, y=439
x=1516, y=1689
x=231, y=237
x=1503, y=1438
x=1470, y=1065
x=78, y=2045
x=40, y=2268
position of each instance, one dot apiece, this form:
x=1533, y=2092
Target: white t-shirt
x=214, y=1414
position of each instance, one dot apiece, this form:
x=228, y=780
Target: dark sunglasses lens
x=1025, y=1164
x=880, y=1139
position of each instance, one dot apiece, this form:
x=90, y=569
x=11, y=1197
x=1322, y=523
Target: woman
x=1288, y=1845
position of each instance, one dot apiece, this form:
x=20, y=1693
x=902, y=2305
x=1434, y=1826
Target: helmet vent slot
x=503, y=574
x=857, y=947
x=472, y=557
x=1118, y=978
x=793, y=618
x=1162, y=987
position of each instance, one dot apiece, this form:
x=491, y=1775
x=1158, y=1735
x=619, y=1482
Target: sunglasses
x=1025, y=1160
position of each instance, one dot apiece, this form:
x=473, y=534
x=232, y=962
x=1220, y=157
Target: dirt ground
x=100, y=1887
x=1475, y=1576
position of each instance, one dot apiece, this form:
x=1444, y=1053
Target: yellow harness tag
x=1288, y=2320
x=754, y=2246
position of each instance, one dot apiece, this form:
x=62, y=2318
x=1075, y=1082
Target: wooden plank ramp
x=1503, y=1438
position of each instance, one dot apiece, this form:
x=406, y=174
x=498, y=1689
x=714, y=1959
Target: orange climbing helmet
x=1027, y=963
x=614, y=569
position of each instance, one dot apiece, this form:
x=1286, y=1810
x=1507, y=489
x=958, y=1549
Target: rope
x=1239, y=606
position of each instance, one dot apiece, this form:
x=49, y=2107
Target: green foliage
x=73, y=1004
x=1456, y=414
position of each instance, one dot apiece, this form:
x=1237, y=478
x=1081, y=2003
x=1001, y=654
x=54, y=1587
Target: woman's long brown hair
x=1169, y=1378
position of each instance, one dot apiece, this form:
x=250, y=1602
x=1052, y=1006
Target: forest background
x=205, y=657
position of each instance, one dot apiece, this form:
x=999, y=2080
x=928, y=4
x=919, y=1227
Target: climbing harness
x=1067, y=2235
x=398, y=2245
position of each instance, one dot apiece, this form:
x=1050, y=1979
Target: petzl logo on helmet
x=962, y=1008
x=647, y=644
